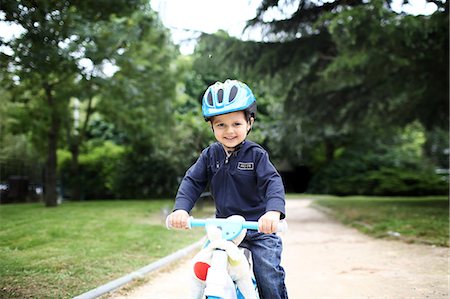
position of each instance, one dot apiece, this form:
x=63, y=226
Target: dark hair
x=251, y=111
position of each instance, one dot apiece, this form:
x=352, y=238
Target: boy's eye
x=237, y=124
x=219, y=125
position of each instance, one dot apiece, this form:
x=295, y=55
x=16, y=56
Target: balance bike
x=222, y=270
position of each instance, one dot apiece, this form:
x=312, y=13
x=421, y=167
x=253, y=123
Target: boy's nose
x=229, y=129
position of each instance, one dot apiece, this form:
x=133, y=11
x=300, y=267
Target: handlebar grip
x=253, y=225
x=168, y=226
x=282, y=226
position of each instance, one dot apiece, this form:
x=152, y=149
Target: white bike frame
x=219, y=284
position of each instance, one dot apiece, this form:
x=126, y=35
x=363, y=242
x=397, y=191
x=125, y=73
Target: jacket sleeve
x=193, y=184
x=271, y=185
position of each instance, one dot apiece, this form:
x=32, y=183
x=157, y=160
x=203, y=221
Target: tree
x=140, y=102
x=344, y=69
x=396, y=62
x=365, y=64
x=341, y=63
x=135, y=97
x=48, y=63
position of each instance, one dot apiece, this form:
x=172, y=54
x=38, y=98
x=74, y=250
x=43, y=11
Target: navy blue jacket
x=246, y=183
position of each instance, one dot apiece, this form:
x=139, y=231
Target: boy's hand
x=268, y=223
x=179, y=219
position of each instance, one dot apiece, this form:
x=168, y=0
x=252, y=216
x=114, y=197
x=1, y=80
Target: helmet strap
x=233, y=149
x=251, y=120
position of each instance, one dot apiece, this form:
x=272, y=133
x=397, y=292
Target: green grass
x=410, y=219
x=65, y=251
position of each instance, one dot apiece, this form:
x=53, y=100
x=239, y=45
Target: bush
x=383, y=181
x=373, y=174
x=98, y=167
x=147, y=174
x=393, y=164
x=391, y=181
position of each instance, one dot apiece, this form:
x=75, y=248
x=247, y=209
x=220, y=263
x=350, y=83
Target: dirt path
x=324, y=259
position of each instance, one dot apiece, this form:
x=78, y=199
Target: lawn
x=409, y=219
x=65, y=251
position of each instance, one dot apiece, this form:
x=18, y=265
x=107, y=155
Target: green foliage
x=18, y=154
x=60, y=55
x=45, y=61
x=147, y=173
x=347, y=176
x=99, y=166
x=375, y=47
x=342, y=69
x=18, y=147
x=63, y=58
x=391, y=181
x=356, y=83
x=323, y=77
x=383, y=169
x=150, y=171
x=171, y=140
x=139, y=102
x=437, y=147
x=99, y=129
x=138, y=99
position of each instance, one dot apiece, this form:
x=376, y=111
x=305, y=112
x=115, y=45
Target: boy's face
x=231, y=129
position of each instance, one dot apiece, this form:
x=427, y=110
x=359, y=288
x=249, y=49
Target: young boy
x=243, y=181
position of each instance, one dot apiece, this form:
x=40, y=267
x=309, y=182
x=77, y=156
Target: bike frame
x=219, y=284
x=218, y=281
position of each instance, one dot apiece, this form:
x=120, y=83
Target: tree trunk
x=51, y=196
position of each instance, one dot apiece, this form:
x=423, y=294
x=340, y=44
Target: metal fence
x=20, y=181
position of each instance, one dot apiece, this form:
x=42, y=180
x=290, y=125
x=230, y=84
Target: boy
x=243, y=181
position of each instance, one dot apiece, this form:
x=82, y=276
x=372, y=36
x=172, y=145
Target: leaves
x=342, y=70
x=63, y=56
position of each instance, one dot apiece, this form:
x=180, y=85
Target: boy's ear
x=251, y=121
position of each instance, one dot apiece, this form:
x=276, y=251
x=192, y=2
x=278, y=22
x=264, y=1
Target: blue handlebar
x=230, y=228
x=253, y=225
x=196, y=222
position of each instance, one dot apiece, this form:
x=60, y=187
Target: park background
x=98, y=103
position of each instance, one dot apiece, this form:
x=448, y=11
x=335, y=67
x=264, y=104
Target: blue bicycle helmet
x=230, y=96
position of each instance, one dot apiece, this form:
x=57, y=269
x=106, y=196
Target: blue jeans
x=266, y=252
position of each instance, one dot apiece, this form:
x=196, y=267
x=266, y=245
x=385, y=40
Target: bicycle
x=222, y=269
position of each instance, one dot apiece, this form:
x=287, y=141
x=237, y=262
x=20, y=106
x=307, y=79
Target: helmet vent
x=220, y=95
x=233, y=93
x=210, y=98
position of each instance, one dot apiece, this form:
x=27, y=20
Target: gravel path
x=324, y=259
